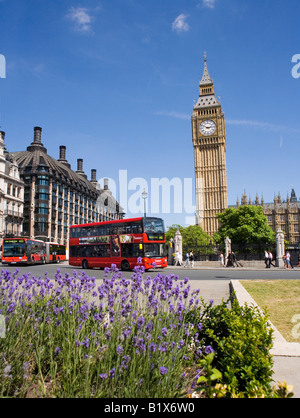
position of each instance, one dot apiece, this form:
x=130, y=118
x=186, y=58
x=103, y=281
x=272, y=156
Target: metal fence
x=252, y=252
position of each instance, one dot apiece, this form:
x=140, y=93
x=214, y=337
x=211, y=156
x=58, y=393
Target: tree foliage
x=244, y=225
x=192, y=236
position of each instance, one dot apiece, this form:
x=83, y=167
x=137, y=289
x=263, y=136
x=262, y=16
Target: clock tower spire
x=209, y=140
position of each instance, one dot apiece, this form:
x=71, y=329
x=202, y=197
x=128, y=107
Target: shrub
x=241, y=339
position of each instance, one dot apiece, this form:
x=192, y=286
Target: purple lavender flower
x=140, y=322
x=152, y=347
x=164, y=331
x=163, y=370
x=112, y=373
x=209, y=350
x=119, y=349
x=86, y=343
x=103, y=376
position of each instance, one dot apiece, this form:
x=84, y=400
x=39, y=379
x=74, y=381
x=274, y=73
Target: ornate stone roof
x=35, y=158
x=206, y=79
x=207, y=101
x=207, y=96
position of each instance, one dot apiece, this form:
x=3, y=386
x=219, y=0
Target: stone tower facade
x=209, y=140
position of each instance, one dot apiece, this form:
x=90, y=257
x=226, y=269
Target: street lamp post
x=144, y=196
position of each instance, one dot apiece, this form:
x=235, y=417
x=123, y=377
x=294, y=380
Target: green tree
x=172, y=231
x=192, y=237
x=244, y=225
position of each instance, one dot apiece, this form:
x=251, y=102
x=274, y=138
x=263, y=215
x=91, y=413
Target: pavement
x=286, y=356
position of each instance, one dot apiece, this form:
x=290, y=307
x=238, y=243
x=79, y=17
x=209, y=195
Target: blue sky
x=114, y=81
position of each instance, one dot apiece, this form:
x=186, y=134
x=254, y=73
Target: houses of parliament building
x=209, y=141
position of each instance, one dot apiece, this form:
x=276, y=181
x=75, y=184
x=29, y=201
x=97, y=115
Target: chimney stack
x=37, y=135
x=37, y=141
x=106, y=184
x=62, y=156
x=79, y=166
x=94, y=175
x=62, y=153
x=2, y=136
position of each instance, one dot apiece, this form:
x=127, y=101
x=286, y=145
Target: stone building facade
x=56, y=197
x=283, y=214
x=209, y=140
x=11, y=194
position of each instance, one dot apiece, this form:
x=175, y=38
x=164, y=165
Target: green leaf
x=216, y=375
x=202, y=379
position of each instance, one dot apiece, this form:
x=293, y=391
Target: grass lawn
x=281, y=300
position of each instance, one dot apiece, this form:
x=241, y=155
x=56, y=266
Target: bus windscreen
x=13, y=248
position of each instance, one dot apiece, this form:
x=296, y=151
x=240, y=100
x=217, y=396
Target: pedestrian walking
x=288, y=260
x=284, y=260
x=299, y=260
x=192, y=259
x=233, y=259
x=266, y=259
x=187, y=260
x=221, y=258
x=229, y=260
x=271, y=260
x=178, y=258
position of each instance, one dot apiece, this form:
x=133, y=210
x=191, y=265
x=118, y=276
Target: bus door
x=28, y=250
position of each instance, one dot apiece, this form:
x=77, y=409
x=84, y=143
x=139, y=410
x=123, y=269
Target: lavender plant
x=70, y=337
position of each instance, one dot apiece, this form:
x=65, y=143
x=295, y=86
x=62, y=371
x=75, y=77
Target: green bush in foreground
x=241, y=339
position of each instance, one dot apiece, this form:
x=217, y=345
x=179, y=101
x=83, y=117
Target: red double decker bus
x=31, y=251
x=119, y=242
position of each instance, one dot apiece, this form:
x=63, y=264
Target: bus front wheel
x=125, y=266
x=85, y=265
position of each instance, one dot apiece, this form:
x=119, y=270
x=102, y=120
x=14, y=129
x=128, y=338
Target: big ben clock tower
x=209, y=140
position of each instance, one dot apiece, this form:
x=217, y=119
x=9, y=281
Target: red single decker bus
x=31, y=251
x=119, y=242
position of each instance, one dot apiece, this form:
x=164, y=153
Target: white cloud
x=209, y=3
x=180, y=24
x=263, y=125
x=173, y=114
x=81, y=17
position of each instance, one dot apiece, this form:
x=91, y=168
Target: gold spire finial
x=205, y=56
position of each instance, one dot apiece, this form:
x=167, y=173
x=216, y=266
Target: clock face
x=208, y=127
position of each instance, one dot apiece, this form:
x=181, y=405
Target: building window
x=43, y=182
x=43, y=209
x=296, y=228
x=43, y=196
